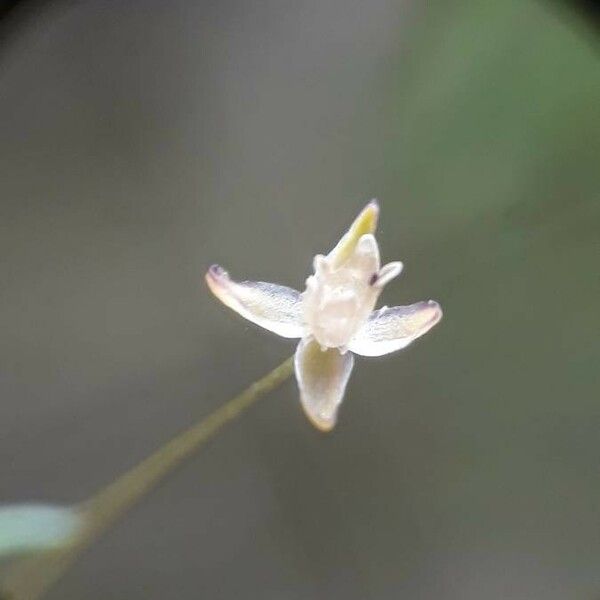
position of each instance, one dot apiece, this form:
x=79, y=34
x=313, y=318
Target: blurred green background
x=141, y=141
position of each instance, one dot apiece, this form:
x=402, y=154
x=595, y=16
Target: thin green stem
x=30, y=577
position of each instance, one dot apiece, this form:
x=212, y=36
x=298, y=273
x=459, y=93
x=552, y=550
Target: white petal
x=274, y=307
x=387, y=273
x=391, y=329
x=322, y=377
x=364, y=260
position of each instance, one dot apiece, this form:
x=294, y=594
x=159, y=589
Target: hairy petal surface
x=322, y=377
x=390, y=329
x=274, y=307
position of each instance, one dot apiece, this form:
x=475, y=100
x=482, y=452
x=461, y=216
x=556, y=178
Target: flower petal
x=274, y=307
x=366, y=222
x=390, y=329
x=364, y=260
x=322, y=377
x=387, y=273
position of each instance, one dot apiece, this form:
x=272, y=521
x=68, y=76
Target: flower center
x=335, y=304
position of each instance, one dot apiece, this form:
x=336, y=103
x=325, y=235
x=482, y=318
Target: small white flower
x=333, y=317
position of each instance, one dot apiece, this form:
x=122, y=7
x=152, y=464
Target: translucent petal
x=274, y=307
x=366, y=222
x=364, y=260
x=322, y=377
x=391, y=329
x=387, y=273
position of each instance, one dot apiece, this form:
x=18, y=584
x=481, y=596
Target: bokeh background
x=141, y=141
